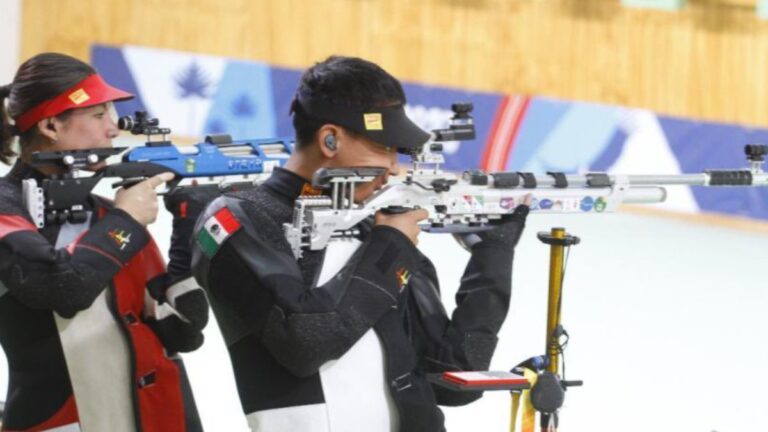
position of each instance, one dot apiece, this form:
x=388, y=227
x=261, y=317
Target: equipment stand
x=549, y=400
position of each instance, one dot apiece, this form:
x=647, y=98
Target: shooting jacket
x=81, y=308
x=282, y=330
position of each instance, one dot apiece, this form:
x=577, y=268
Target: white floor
x=667, y=322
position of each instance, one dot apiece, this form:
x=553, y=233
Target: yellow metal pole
x=558, y=240
x=513, y=410
x=556, y=256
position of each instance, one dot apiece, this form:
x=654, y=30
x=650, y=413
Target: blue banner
x=197, y=94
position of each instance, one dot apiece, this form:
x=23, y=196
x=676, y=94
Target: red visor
x=88, y=92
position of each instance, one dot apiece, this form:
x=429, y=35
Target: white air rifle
x=476, y=200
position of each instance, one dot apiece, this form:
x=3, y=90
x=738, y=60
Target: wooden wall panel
x=709, y=61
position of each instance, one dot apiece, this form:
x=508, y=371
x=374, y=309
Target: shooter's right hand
x=140, y=201
x=407, y=222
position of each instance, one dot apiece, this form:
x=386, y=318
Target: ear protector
x=330, y=142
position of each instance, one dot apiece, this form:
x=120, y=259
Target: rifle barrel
x=703, y=179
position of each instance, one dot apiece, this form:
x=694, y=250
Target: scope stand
x=545, y=391
x=558, y=240
x=548, y=391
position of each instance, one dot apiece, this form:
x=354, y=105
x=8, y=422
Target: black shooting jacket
x=279, y=329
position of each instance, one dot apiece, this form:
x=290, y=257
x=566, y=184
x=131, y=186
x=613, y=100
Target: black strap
x=505, y=180
x=598, y=180
x=529, y=179
x=560, y=181
x=476, y=177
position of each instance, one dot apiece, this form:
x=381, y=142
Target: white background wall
x=10, y=32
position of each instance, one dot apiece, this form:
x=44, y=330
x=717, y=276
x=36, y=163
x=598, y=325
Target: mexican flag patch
x=217, y=229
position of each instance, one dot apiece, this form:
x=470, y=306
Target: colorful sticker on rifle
x=534, y=203
x=190, y=165
x=587, y=203
x=600, y=205
x=403, y=276
x=120, y=238
x=215, y=230
x=474, y=202
x=545, y=204
x=270, y=166
x=507, y=203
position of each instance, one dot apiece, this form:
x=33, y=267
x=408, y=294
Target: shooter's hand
x=407, y=222
x=506, y=234
x=140, y=201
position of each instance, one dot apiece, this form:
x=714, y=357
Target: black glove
x=506, y=234
x=185, y=204
x=180, y=318
x=181, y=331
x=176, y=335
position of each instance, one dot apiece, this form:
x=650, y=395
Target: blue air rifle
x=217, y=163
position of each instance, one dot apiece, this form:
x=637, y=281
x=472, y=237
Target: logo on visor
x=78, y=96
x=373, y=121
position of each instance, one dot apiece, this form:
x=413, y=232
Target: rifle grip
x=128, y=183
x=391, y=210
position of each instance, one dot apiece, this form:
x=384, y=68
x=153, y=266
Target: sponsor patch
x=373, y=121
x=120, y=238
x=403, y=276
x=216, y=230
x=79, y=96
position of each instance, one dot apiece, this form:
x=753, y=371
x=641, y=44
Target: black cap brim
x=388, y=126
